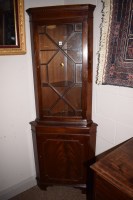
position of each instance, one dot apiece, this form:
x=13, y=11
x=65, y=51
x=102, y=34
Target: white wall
x=112, y=110
x=112, y=105
x=17, y=109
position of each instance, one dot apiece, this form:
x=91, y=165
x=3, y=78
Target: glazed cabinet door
x=59, y=70
x=62, y=44
x=60, y=51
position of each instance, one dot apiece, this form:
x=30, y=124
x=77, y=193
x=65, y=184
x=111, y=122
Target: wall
x=17, y=109
x=112, y=110
x=112, y=105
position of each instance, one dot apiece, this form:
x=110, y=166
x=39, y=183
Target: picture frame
x=12, y=26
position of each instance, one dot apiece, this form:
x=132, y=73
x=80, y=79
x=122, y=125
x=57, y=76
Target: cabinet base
x=44, y=186
x=63, y=154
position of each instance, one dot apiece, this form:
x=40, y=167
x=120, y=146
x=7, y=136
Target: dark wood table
x=113, y=174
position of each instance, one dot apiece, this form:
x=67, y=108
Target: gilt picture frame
x=12, y=27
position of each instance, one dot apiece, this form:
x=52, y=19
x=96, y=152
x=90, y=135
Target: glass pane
x=74, y=97
x=78, y=27
x=46, y=43
x=41, y=29
x=79, y=73
x=49, y=97
x=73, y=47
x=43, y=74
x=46, y=56
x=8, y=23
x=61, y=90
x=59, y=33
x=61, y=70
x=62, y=109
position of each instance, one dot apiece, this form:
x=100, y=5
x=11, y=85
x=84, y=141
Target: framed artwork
x=12, y=27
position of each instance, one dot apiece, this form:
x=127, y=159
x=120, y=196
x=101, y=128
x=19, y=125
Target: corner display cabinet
x=63, y=132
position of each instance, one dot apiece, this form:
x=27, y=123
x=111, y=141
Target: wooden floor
x=52, y=193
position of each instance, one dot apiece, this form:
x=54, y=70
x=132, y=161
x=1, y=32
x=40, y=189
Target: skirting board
x=18, y=188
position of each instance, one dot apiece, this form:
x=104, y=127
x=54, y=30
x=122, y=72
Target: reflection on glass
x=61, y=69
x=7, y=22
x=59, y=32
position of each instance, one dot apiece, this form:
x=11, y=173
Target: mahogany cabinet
x=63, y=132
x=113, y=174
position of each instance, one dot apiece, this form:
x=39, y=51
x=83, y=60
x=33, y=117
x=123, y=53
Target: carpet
x=115, y=56
x=52, y=193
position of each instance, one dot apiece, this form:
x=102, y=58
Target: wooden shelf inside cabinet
x=62, y=43
x=59, y=84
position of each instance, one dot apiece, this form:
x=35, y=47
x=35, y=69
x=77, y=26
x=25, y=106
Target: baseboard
x=18, y=188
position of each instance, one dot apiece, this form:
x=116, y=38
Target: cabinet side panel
x=104, y=190
x=35, y=153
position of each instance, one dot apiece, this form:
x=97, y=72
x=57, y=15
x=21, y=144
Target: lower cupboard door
x=62, y=159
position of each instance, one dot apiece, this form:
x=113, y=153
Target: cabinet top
x=117, y=167
x=59, y=12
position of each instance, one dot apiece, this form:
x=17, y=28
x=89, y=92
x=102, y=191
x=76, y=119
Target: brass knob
x=62, y=64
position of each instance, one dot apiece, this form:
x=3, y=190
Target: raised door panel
x=62, y=159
